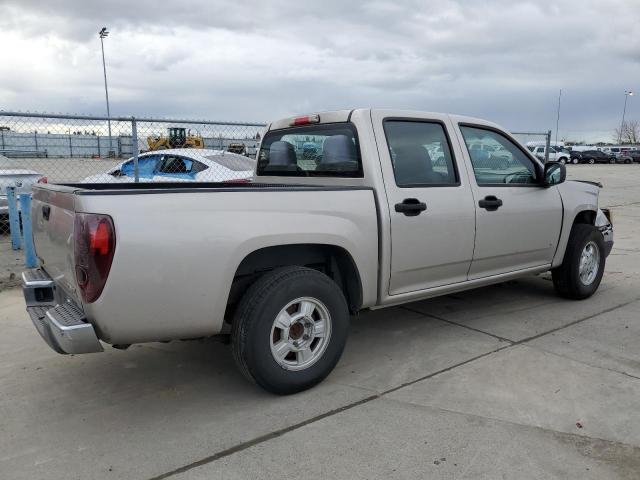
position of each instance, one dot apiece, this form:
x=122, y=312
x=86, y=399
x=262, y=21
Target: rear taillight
x=306, y=120
x=43, y=180
x=95, y=244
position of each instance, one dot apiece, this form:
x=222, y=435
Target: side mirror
x=554, y=173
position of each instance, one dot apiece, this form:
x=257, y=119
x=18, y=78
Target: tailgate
x=53, y=215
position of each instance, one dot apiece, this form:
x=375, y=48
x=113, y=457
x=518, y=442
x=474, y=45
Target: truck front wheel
x=290, y=329
x=583, y=265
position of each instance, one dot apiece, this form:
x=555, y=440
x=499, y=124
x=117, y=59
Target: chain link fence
x=89, y=149
x=534, y=139
x=53, y=148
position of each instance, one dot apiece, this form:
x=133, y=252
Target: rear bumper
x=63, y=326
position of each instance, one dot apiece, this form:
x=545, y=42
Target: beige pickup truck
x=347, y=211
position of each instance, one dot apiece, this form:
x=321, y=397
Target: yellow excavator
x=178, y=138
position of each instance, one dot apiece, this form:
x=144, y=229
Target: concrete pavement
x=507, y=381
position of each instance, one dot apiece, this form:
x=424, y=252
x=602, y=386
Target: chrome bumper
x=62, y=325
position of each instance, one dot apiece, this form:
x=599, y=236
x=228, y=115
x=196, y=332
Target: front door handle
x=411, y=207
x=491, y=203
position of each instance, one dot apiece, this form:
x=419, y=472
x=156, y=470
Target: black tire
x=591, y=161
x=251, y=334
x=566, y=278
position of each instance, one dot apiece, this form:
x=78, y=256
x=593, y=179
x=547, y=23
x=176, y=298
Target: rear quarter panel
x=177, y=253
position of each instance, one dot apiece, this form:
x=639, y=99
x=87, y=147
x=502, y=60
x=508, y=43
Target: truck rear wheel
x=290, y=329
x=583, y=265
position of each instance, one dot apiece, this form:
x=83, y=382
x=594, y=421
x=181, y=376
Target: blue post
x=30, y=260
x=14, y=218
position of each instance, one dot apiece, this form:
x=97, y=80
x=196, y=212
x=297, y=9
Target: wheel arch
x=333, y=260
x=585, y=215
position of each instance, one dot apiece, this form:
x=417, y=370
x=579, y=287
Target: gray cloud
x=497, y=59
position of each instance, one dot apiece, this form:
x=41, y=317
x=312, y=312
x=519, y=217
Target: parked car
x=624, y=157
x=635, y=155
x=575, y=156
x=556, y=153
x=596, y=156
x=13, y=175
x=180, y=165
x=279, y=264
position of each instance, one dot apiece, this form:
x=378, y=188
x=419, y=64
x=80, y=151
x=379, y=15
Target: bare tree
x=630, y=132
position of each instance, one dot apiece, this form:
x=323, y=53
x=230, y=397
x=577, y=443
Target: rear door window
x=324, y=150
x=420, y=153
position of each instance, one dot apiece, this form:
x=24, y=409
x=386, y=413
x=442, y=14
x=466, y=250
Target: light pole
x=103, y=34
x=558, y=117
x=627, y=94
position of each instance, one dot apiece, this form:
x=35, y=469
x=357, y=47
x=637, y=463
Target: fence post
x=70, y=146
x=546, y=150
x=14, y=218
x=99, y=154
x=27, y=233
x=134, y=148
x=35, y=140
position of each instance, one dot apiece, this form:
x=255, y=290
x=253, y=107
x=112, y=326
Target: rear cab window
x=320, y=150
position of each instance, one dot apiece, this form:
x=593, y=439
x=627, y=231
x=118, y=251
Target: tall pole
x=103, y=33
x=627, y=94
x=558, y=117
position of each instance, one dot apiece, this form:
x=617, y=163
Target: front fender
x=577, y=197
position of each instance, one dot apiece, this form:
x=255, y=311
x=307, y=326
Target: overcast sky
x=503, y=60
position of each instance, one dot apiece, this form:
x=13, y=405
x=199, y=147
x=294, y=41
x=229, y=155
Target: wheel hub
x=300, y=333
x=589, y=263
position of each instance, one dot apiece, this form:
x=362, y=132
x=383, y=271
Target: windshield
x=329, y=150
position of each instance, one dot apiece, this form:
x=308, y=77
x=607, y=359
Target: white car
x=180, y=165
x=556, y=153
x=13, y=175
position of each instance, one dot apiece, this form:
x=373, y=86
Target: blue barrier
x=30, y=260
x=14, y=218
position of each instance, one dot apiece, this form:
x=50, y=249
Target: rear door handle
x=491, y=203
x=46, y=211
x=411, y=207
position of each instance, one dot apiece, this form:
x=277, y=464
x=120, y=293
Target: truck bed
x=181, y=245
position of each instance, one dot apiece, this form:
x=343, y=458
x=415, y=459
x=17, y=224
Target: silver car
x=12, y=175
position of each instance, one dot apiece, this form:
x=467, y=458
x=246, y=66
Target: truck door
x=430, y=202
x=517, y=220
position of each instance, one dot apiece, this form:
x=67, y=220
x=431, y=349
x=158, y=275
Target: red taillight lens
x=306, y=120
x=43, y=180
x=95, y=244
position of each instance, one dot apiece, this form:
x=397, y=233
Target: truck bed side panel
x=177, y=253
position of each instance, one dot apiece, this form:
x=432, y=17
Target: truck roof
x=334, y=116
